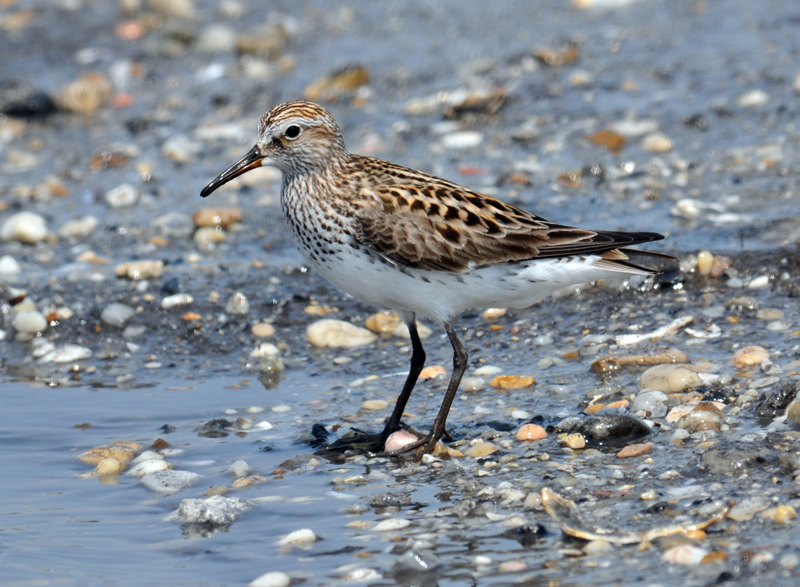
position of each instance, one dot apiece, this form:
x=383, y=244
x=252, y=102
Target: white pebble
x=391, y=525
x=273, y=579
x=302, y=536
x=237, y=304
x=25, y=227
x=169, y=482
x=481, y=560
x=78, y=227
x=148, y=455
x=67, y=354
x=282, y=409
x=264, y=350
x=520, y=415
x=180, y=148
x=216, y=510
x=684, y=554
x=488, y=371
x=462, y=140
x=149, y=466
x=758, y=282
x=216, y=38
x=239, y=469
x=472, y=384
x=117, y=314
x=9, y=266
x=122, y=196
x=178, y=299
x=337, y=333
x=29, y=322
x=753, y=98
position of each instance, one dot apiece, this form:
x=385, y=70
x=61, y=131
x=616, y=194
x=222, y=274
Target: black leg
x=459, y=366
x=417, y=363
x=375, y=442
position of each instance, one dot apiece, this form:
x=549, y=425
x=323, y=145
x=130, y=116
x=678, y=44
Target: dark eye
x=292, y=132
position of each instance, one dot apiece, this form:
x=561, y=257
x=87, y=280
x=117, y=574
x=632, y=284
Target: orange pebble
x=531, y=432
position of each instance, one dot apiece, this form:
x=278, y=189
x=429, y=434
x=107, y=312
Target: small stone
x=391, y=525
x=80, y=227
x=635, y=450
x=494, y=313
x=239, y=469
x=769, y=314
x=208, y=236
x=482, y=449
x=472, y=384
x=574, y=441
x=398, y=440
x=684, y=554
x=149, y=466
x=789, y=560
x=139, y=270
x=25, y=227
x=29, y=322
x=330, y=333
x=669, y=378
x=715, y=556
x=265, y=350
x=705, y=261
x=462, y=140
x=512, y=567
x=181, y=149
x=108, y=466
x=531, y=432
x=237, y=304
x=759, y=282
x=345, y=81
x=753, y=98
x=784, y=513
x=169, y=482
x=174, y=8
x=432, y=372
x=222, y=217
x=9, y=266
x=657, y=143
x=262, y=330
x=597, y=547
x=747, y=508
x=649, y=495
x=117, y=314
x=272, y=579
x=374, y=405
x=512, y=381
x=85, y=95
x=122, y=196
x=216, y=38
x=749, y=356
x=175, y=300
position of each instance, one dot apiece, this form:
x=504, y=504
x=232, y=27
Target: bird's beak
x=250, y=161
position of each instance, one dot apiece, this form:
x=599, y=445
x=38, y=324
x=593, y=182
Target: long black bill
x=243, y=165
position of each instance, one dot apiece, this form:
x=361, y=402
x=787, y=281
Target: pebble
x=222, y=217
x=657, y=142
x=511, y=567
x=397, y=440
x=531, y=432
x=216, y=38
x=746, y=508
x=330, y=333
x=140, y=270
x=67, y=353
x=462, y=140
x=749, y=356
x=272, y=579
x=769, y=314
x=80, y=227
x=181, y=149
x=780, y=514
x=494, y=313
x=207, y=236
x=239, y=469
x=789, y=560
x=391, y=525
x=472, y=384
x=94, y=455
x=705, y=260
x=759, y=282
x=388, y=322
x=117, y=314
x=331, y=87
x=9, y=266
x=264, y=350
x=652, y=402
x=512, y=381
x=432, y=372
x=704, y=416
x=482, y=449
x=670, y=378
x=174, y=225
x=108, y=466
x=147, y=456
x=149, y=466
x=29, y=322
x=262, y=330
x=169, y=482
x=85, y=95
x=597, y=547
x=25, y=227
x=237, y=304
x=175, y=300
x=302, y=536
x=753, y=98
x=374, y=405
x=635, y=450
x=216, y=510
x=574, y=441
x=122, y=196
x=684, y=554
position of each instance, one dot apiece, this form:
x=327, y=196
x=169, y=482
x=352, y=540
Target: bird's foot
x=376, y=443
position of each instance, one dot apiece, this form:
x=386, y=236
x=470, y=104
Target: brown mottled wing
x=428, y=223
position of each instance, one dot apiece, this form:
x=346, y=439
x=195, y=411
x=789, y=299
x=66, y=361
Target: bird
x=418, y=244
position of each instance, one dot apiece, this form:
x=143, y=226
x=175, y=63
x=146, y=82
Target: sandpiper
x=418, y=244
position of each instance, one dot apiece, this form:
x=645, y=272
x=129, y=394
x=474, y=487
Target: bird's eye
x=292, y=132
